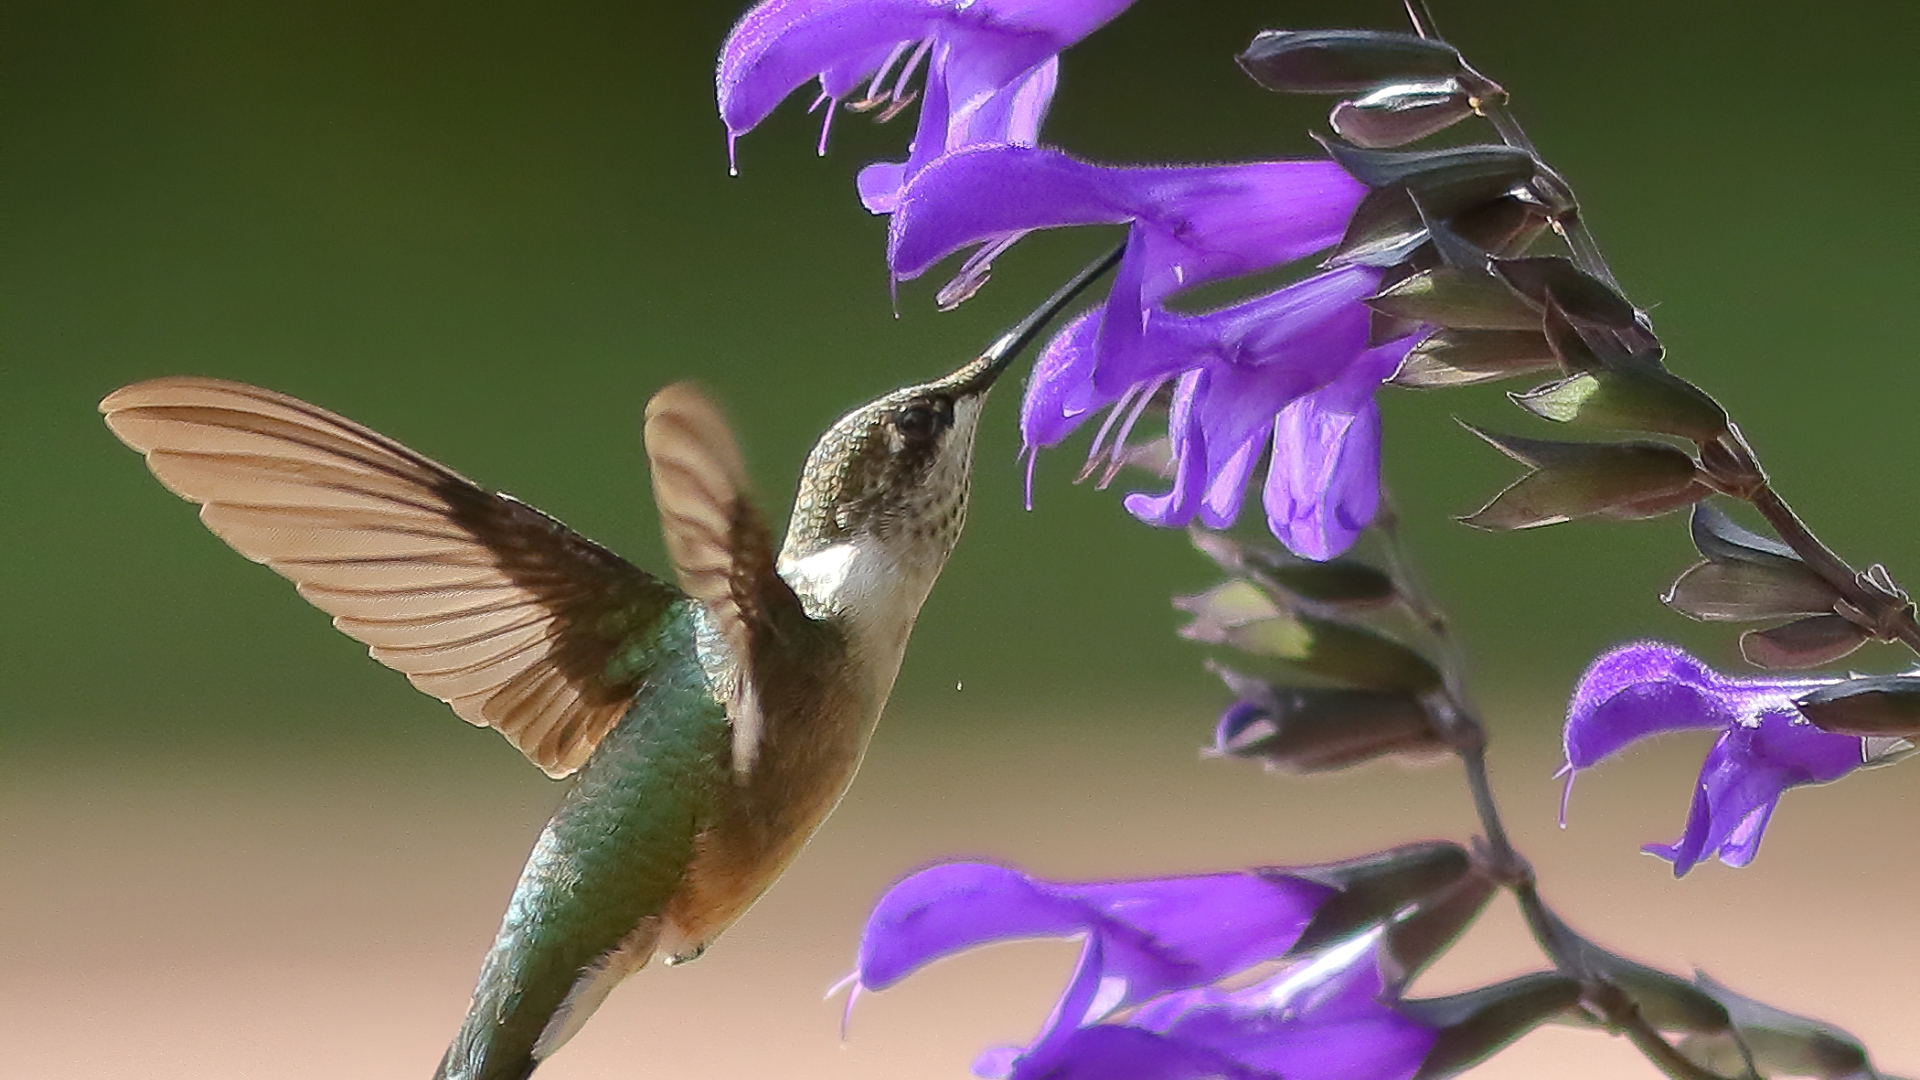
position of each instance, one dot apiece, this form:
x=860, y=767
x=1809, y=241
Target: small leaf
x=1782, y=1043
x=1476, y=1024
x=1748, y=592
x=1465, y=357
x=1722, y=539
x=1579, y=294
x=1874, y=707
x=1376, y=887
x=1317, y=729
x=1242, y=615
x=1504, y=226
x=1456, y=299
x=1402, y=113
x=1444, y=181
x=1803, y=643
x=1345, y=61
x=1576, y=480
x=1419, y=937
x=1628, y=399
x=1385, y=229
x=1654, y=506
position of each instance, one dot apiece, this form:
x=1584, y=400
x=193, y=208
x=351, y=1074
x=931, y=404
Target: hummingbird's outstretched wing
x=500, y=611
x=721, y=548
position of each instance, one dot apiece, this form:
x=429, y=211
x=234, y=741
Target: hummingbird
x=709, y=724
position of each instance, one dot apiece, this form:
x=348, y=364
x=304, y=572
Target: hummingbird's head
x=884, y=492
x=893, y=475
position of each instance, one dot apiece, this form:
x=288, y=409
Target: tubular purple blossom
x=1291, y=369
x=1765, y=746
x=990, y=68
x=1157, y=945
x=1187, y=225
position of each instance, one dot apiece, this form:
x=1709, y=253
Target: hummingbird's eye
x=923, y=420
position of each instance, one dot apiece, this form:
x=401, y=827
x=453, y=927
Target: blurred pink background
x=227, y=917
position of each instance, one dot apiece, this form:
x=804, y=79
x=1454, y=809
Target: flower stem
x=1890, y=612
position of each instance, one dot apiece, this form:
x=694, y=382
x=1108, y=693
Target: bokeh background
x=230, y=845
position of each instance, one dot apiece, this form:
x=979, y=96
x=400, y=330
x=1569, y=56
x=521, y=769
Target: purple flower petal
x=990, y=65
x=1324, y=485
x=1322, y=1019
x=1177, y=507
x=1114, y=1052
x=1648, y=687
x=1765, y=747
x=1197, y=224
x=1751, y=765
x=1152, y=935
x=1060, y=396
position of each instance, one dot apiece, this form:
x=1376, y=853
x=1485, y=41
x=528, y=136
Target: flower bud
x=1578, y=293
x=1667, y=1001
x=1465, y=357
x=1723, y=540
x=1317, y=729
x=1746, y=592
x=1345, y=61
x=1875, y=707
x=1402, y=113
x=1803, y=643
x=1445, y=181
x=1456, y=299
x=1576, y=480
x=1628, y=399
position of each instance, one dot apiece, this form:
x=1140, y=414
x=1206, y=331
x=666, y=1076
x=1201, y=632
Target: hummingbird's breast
x=820, y=696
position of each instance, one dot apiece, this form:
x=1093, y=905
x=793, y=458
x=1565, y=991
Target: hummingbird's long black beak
x=999, y=355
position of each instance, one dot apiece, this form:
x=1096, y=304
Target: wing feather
x=481, y=601
x=721, y=549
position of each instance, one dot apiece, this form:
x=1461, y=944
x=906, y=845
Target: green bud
x=1465, y=357
x=1456, y=299
x=1242, y=615
x=1444, y=182
x=1629, y=399
x=1577, y=480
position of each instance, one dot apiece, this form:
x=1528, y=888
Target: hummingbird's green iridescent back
x=615, y=852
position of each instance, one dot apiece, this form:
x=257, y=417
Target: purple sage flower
x=1292, y=369
x=1142, y=1003
x=991, y=67
x=1765, y=746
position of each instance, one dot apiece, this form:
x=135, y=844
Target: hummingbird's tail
x=509, y=1071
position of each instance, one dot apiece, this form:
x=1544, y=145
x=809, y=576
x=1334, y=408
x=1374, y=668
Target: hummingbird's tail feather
x=529, y=1064
x=515, y=1024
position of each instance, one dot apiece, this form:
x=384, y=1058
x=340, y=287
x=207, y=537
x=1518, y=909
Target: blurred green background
x=493, y=230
